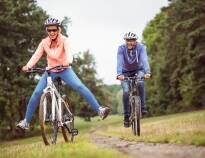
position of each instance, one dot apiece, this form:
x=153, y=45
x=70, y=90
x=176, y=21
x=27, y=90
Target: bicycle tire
x=49, y=128
x=136, y=105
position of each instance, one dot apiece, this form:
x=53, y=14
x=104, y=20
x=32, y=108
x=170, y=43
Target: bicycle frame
x=54, y=94
x=56, y=102
x=133, y=90
x=133, y=85
x=54, y=111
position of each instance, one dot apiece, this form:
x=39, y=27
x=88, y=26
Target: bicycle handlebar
x=134, y=78
x=41, y=70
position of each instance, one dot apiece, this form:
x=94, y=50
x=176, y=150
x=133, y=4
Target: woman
x=56, y=47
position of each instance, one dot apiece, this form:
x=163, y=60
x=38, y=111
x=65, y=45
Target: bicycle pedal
x=74, y=132
x=47, y=120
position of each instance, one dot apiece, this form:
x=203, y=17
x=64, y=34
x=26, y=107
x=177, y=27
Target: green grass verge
x=84, y=126
x=182, y=128
x=34, y=148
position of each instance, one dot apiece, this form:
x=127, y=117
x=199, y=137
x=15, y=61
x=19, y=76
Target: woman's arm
x=36, y=56
x=68, y=54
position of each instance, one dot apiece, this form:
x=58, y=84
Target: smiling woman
x=57, y=48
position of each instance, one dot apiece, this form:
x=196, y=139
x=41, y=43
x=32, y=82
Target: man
x=57, y=48
x=132, y=59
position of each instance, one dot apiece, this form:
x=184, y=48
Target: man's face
x=131, y=43
x=52, y=32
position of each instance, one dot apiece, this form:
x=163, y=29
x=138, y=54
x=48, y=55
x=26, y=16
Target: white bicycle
x=54, y=111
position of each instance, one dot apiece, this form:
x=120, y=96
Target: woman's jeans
x=71, y=79
x=125, y=87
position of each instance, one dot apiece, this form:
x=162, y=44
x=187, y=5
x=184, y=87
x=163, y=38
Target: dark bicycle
x=134, y=103
x=54, y=112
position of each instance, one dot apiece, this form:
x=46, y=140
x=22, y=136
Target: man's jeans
x=71, y=79
x=125, y=86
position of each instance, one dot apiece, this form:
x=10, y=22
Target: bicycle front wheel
x=136, y=110
x=49, y=127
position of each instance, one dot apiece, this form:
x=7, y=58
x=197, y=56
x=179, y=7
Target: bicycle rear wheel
x=68, y=122
x=136, y=110
x=49, y=128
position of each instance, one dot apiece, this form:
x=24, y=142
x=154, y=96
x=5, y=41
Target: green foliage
x=175, y=42
x=20, y=32
x=115, y=101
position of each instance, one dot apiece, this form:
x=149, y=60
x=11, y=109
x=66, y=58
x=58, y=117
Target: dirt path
x=148, y=150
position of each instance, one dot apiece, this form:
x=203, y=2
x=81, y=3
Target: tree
x=175, y=41
x=20, y=31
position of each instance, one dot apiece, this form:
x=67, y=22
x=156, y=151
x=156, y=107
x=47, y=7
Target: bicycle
x=54, y=111
x=134, y=103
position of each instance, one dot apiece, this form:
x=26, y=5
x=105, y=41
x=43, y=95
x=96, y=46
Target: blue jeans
x=71, y=79
x=125, y=87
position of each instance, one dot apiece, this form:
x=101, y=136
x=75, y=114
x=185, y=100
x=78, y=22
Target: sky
x=99, y=25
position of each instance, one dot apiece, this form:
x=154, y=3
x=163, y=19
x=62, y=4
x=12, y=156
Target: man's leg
x=125, y=87
x=142, y=94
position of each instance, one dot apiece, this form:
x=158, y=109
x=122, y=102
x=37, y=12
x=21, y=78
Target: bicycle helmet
x=52, y=21
x=130, y=35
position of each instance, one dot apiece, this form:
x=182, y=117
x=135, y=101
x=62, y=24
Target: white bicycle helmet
x=130, y=35
x=51, y=22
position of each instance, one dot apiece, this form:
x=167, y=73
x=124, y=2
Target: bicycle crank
x=74, y=132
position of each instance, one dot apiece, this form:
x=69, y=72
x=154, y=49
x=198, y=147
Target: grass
x=83, y=126
x=182, y=128
x=33, y=147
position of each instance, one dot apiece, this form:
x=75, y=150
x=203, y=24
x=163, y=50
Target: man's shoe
x=126, y=122
x=144, y=111
x=104, y=112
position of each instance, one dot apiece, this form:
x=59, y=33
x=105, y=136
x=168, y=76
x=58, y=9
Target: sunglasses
x=52, y=30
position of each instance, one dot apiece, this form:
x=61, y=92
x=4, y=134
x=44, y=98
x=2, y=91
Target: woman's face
x=52, y=32
x=131, y=43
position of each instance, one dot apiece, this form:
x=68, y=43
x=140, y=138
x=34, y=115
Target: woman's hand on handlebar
x=25, y=68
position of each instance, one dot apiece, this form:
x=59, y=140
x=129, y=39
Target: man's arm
x=119, y=61
x=144, y=60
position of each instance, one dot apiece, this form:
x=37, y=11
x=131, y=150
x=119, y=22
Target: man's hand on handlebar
x=147, y=76
x=120, y=77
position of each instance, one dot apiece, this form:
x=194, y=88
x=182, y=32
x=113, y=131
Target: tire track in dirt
x=148, y=150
